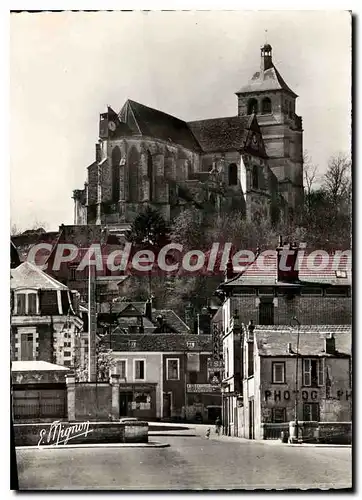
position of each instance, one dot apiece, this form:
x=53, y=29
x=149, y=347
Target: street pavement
x=188, y=463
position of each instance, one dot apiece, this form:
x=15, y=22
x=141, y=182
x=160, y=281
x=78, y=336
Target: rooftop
x=28, y=275
x=275, y=340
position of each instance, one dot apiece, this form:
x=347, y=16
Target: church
x=251, y=162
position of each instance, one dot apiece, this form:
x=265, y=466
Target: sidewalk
x=271, y=442
x=150, y=444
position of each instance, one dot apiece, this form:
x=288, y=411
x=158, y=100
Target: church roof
x=269, y=79
x=150, y=122
x=221, y=134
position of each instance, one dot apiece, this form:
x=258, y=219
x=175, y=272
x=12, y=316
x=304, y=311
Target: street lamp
x=294, y=322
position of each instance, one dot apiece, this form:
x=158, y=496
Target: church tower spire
x=266, y=57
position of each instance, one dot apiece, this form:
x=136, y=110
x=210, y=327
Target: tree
x=149, y=229
x=337, y=179
x=105, y=363
x=310, y=176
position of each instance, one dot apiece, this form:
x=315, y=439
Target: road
x=189, y=463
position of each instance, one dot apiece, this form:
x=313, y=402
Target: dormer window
x=133, y=343
x=26, y=303
x=190, y=345
x=341, y=274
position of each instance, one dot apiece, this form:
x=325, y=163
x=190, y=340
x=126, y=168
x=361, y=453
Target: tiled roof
x=28, y=275
x=269, y=79
x=171, y=319
x=273, y=340
x=221, y=134
x=150, y=122
x=32, y=366
x=263, y=271
x=159, y=342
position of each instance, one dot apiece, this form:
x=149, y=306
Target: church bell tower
x=268, y=96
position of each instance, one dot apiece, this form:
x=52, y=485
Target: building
x=165, y=376
x=45, y=320
x=251, y=161
x=268, y=295
x=268, y=378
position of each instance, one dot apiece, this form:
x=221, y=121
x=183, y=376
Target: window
x=266, y=312
x=32, y=303
x=132, y=343
x=252, y=106
x=312, y=291
x=290, y=109
x=67, y=354
x=139, y=369
x=278, y=372
x=150, y=173
x=67, y=362
x=26, y=303
x=173, y=369
x=311, y=412
x=266, y=106
x=67, y=344
x=255, y=180
x=72, y=273
x=121, y=368
x=190, y=344
x=116, y=159
x=279, y=415
x=250, y=359
x=313, y=372
x=341, y=273
x=233, y=174
x=21, y=304
x=27, y=345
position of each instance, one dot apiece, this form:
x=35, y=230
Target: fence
x=273, y=431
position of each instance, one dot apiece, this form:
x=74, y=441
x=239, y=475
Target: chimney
x=330, y=344
x=149, y=309
x=98, y=153
x=229, y=272
x=266, y=57
x=287, y=258
x=204, y=322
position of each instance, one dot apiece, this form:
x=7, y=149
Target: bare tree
x=337, y=179
x=309, y=173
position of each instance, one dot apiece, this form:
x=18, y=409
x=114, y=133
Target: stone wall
x=55, y=433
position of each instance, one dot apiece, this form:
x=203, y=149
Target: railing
x=273, y=431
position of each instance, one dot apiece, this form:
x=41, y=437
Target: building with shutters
x=165, y=376
x=45, y=321
x=251, y=161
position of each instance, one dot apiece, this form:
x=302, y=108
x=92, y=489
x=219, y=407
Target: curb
x=275, y=442
x=96, y=445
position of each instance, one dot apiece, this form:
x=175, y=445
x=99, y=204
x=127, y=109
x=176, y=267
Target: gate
x=39, y=404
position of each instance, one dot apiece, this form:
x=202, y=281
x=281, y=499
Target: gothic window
x=233, y=174
x=116, y=158
x=150, y=173
x=133, y=165
x=266, y=106
x=255, y=177
x=252, y=106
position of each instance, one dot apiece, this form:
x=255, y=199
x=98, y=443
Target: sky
x=66, y=67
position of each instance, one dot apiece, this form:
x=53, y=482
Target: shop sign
x=201, y=388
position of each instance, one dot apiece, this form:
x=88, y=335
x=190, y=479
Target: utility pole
x=297, y=323
x=92, y=324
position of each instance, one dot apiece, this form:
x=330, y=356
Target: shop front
x=137, y=400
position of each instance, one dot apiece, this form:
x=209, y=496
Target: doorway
x=124, y=399
x=167, y=405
